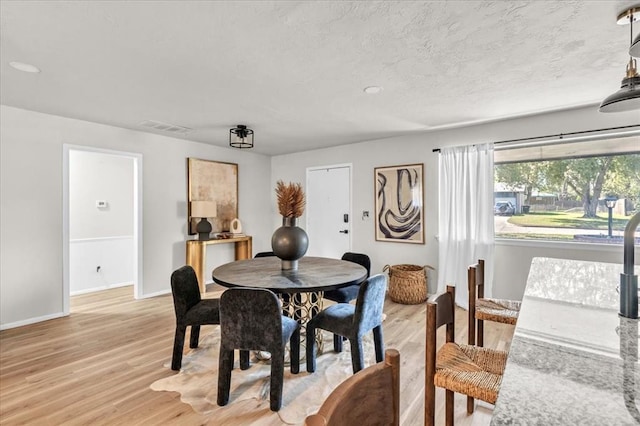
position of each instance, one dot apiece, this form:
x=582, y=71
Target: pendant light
x=241, y=137
x=635, y=48
x=628, y=97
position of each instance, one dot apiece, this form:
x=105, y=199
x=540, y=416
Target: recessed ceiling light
x=21, y=66
x=372, y=90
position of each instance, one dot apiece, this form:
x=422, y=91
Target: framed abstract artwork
x=217, y=182
x=399, y=214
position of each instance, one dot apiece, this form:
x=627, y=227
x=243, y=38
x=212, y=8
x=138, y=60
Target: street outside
x=502, y=226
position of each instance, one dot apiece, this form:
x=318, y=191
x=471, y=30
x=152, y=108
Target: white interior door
x=329, y=211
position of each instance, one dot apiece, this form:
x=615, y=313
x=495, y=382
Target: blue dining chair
x=352, y=322
x=349, y=293
x=250, y=319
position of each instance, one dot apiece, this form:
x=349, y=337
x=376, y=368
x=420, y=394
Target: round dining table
x=314, y=274
x=300, y=290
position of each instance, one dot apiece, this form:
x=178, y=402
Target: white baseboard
x=32, y=320
x=101, y=288
x=159, y=293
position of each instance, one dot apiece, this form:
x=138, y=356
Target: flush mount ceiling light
x=372, y=90
x=21, y=66
x=628, y=97
x=241, y=137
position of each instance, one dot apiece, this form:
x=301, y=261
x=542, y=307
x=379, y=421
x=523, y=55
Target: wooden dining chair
x=466, y=369
x=486, y=309
x=369, y=397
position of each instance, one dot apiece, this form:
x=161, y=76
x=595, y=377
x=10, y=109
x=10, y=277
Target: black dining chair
x=349, y=293
x=191, y=310
x=264, y=254
x=250, y=319
x=286, y=298
x=352, y=322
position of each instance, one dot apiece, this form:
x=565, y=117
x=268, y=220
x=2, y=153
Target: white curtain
x=466, y=217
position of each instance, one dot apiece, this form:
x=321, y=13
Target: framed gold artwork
x=217, y=182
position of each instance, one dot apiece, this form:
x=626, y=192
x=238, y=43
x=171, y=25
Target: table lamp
x=203, y=210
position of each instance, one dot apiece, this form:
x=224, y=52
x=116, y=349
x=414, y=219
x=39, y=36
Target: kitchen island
x=573, y=360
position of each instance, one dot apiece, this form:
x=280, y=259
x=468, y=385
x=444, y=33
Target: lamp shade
x=625, y=99
x=203, y=209
x=628, y=97
x=634, y=50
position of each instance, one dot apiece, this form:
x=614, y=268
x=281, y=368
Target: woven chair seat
x=470, y=370
x=498, y=310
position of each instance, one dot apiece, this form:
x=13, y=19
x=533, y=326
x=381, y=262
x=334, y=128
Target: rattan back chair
x=470, y=370
x=486, y=309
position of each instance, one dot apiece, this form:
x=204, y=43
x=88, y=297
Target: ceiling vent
x=164, y=127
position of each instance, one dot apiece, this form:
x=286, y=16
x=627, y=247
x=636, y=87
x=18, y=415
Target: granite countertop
x=573, y=360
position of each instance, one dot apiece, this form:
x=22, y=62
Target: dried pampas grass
x=291, y=200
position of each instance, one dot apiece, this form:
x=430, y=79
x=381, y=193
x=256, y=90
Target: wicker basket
x=407, y=283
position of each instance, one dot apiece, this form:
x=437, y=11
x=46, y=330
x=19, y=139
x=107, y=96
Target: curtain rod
x=561, y=135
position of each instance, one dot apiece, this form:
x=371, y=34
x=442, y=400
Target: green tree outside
x=584, y=179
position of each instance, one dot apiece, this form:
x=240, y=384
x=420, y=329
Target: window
x=573, y=191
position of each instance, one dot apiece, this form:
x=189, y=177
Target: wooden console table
x=197, y=251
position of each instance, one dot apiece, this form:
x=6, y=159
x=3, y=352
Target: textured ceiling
x=294, y=71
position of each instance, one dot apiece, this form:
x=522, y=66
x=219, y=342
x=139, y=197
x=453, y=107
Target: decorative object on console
x=290, y=242
x=236, y=226
x=241, y=137
x=628, y=97
x=398, y=195
x=215, y=182
x=203, y=210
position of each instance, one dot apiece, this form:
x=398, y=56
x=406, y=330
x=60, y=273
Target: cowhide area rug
x=303, y=393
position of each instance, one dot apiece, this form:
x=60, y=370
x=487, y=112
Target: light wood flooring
x=95, y=366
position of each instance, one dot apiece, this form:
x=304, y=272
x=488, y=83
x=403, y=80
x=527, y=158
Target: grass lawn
x=528, y=236
x=569, y=220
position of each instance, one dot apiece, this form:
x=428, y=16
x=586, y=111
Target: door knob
x=346, y=231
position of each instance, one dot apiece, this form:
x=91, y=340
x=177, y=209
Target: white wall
x=512, y=261
x=100, y=263
x=97, y=176
x=31, y=152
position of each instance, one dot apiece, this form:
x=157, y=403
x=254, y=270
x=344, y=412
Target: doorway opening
x=102, y=221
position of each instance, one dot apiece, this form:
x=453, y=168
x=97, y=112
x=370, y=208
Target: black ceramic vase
x=289, y=243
